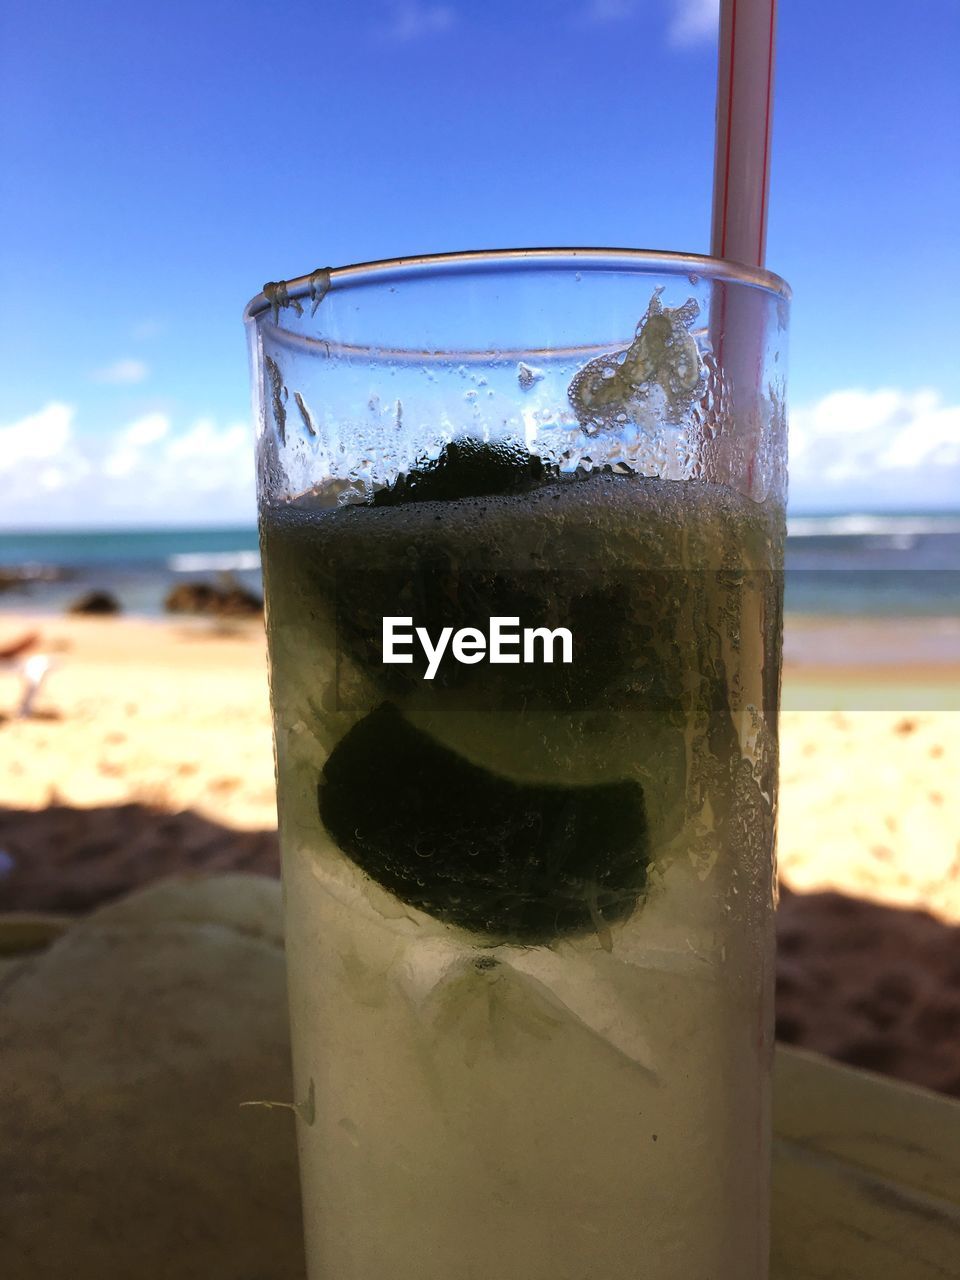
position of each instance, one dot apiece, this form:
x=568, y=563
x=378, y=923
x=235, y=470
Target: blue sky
x=161, y=161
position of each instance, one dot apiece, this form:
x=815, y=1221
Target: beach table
x=110, y=1162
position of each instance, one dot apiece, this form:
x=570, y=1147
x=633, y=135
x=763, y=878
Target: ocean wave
x=863, y=526
x=215, y=562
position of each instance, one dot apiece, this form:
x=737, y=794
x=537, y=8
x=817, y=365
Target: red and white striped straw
x=741, y=174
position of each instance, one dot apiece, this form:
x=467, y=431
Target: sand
x=169, y=713
x=151, y=751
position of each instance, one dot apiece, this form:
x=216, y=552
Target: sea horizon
x=250, y=526
x=838, y=563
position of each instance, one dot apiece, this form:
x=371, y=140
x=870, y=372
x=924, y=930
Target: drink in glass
x=522, y=522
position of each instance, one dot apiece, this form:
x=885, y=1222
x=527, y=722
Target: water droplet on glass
x=527, y=375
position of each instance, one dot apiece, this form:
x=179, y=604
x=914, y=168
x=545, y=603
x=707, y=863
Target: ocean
x=138, y=566
x=839, y=565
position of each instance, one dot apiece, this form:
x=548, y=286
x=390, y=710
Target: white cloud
x=129, y=444
x=144, y=472
x=36, y=438
x=412, y=20
x=929, y=438
x=146, y=430
x=52, y=478
x=215, y=458
x=694, y=21
x=876, y=448
x=39, y=456
x=122, y=373
x=854, y=448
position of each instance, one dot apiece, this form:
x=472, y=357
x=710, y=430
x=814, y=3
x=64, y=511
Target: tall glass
x=522, y=518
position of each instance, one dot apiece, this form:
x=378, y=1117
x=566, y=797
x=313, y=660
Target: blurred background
x=162, y=162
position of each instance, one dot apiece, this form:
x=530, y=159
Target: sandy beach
x=151, y=751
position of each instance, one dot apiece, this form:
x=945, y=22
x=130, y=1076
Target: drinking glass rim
x=389, y=270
